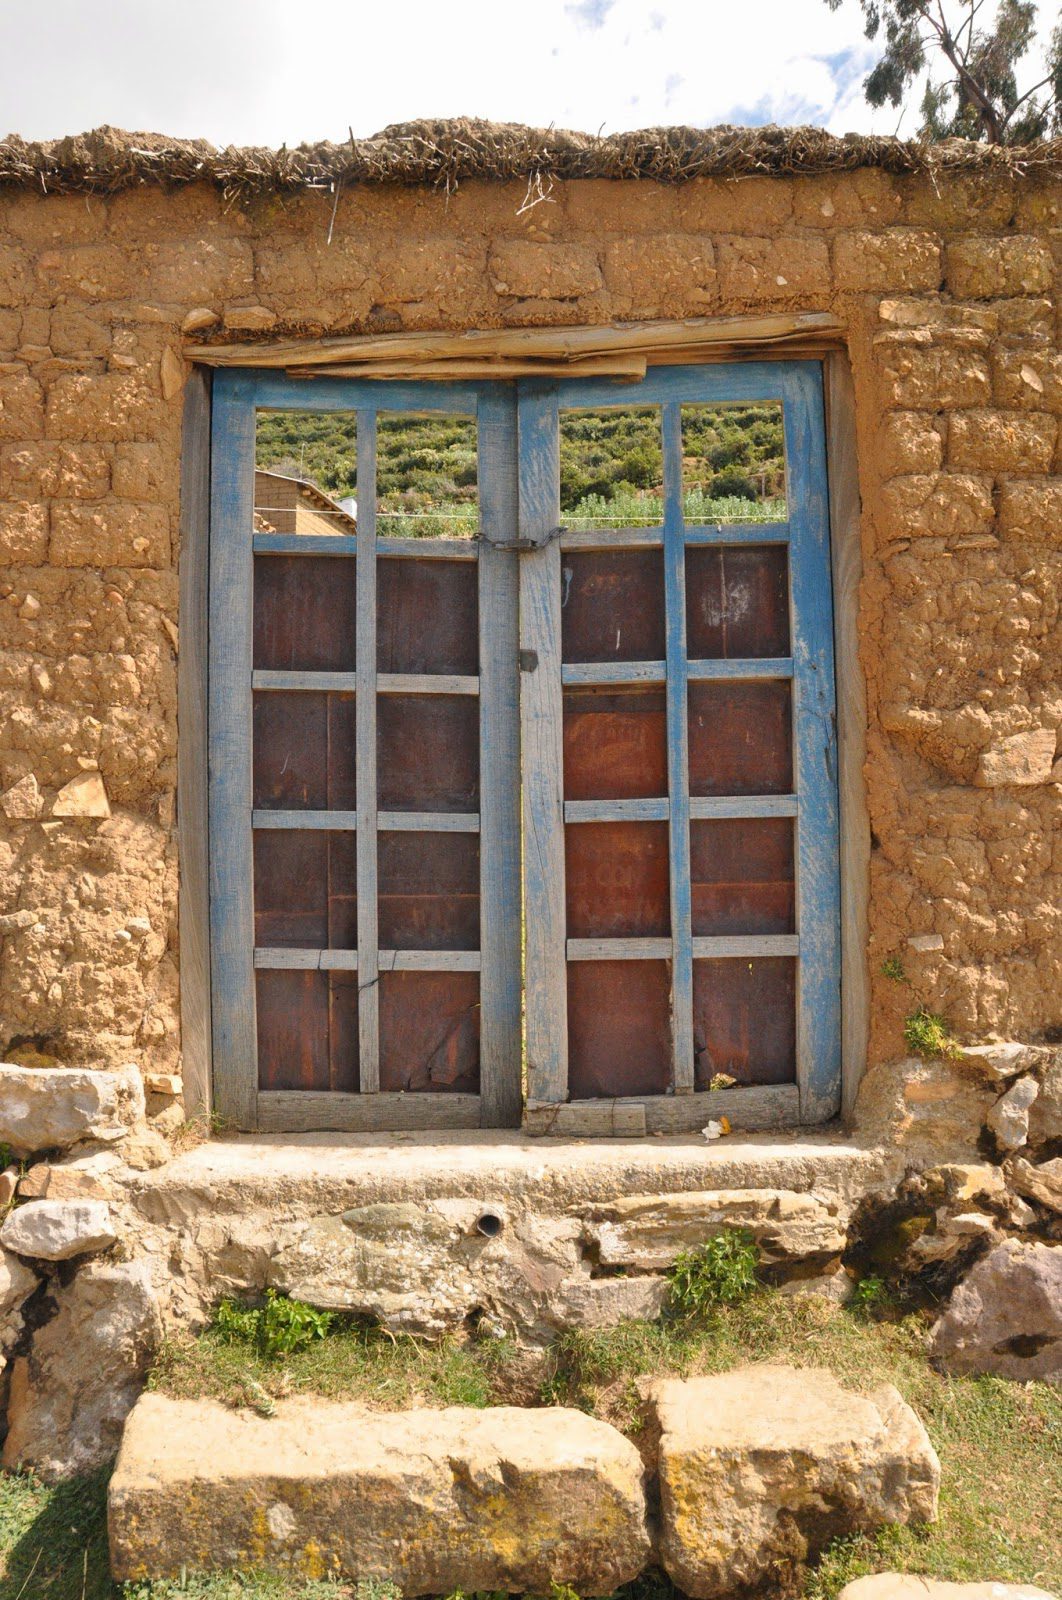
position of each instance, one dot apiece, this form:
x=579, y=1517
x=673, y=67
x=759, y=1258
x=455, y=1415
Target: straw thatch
x=442, y=154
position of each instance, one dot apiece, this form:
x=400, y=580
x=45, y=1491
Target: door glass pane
x=737, y=601
x=615, y=744
x=426, y=476
x=612, y=605
x=429, y=1032
x=619, y=1028
x=306, y=473
x=428, y=891
x=740, y=738
x=611, y=468
x=744, y=1020
x=733, y=463
x=743, y=878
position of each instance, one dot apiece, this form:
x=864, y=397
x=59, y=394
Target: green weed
x=722, y=1271
x=926, y=1034
x=892, y=968
x=281, y=1327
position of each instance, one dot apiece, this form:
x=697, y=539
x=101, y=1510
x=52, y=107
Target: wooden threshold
x=318, y=1111
x=750, y=1110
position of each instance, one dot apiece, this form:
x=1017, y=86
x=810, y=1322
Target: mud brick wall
x=949, y=290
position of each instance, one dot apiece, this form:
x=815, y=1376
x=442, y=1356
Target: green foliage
x=892, y=967
x=869, y=1295
x=979, y=96
x=279, y=1328
x=722, y=1271
x=926, y=1034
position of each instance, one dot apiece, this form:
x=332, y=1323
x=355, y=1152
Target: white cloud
x=270, y=71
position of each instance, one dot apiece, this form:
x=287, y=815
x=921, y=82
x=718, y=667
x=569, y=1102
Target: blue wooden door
x=680, y=810
x=582, y=737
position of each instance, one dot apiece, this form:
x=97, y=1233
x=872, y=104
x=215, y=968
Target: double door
x=522, y=755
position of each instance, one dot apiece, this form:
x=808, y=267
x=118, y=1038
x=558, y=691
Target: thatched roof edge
x=442, y=154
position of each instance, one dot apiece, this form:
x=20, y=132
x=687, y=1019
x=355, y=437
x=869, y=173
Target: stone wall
x=952, y=336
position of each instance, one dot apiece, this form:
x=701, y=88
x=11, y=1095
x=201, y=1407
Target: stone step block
x=762, y=1467
x=913, y=1586
x=433, y=1501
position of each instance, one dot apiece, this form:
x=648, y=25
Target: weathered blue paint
x=678, y=776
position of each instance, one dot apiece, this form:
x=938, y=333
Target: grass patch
x=722, y=1271
x=926, y=1034
x=1000, y=1443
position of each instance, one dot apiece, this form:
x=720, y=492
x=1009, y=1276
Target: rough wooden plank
x=542, y=747
x=304, y=544
x=614, y=672
x=428, y=822
x=751, y=667
x=706, y=808
x=429, y=549
x=545, y=343
x=430, y=961
x=331, y=682
x=619, y=950
x=815, y=749
x=426, y=683
x=312, y=1111
x=365, y=740
x=271, y=959
x=192, y=762
x=739, y=533
x=235, y=1063
x=616, y=810
x=488, y=369
x=501, y=1000
x=843, y=469
x=612, y=539
x=332, y=821
x=678, y=754
x=748, y=1110
x=745, y=945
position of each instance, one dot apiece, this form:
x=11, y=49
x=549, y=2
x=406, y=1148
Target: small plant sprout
x=892, y=968
x=721, y=1271
x=280, y=1327
x=926, y=1034
x=869, y=1294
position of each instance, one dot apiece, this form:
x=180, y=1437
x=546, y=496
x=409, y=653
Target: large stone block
x=917, y=376
x=901, y=258
x=1021, y=759
x=1002, y=441
x=979, y=268
x=432, y=1501
x=916, y=1586
x=109, y=535
x=762, y=1467
x=23, y=534
x=1032, y=510
x=1006, y=1315
x=941, y=504
x=71, y=1395
x=647, y=1232
x=759, y=271
x=543, y=271
x=50, y=1108
x=58, y=1230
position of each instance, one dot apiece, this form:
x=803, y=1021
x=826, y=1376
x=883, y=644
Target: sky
x=291, y=71
x=287, y=71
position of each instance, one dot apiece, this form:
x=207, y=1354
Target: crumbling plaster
x=949, y=291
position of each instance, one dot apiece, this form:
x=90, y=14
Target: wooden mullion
x=815, y=748
x=747, y=667
x=541, y=710
x=365, y=768
x=710, y=808
x=428, y=822
x=234, y=1042
x=678, y=755
x=323, y=821
x=618, y=673
x=617, y=810
x=739, y=533
x=272, y=958
x=501, y=1016
x=723, y=947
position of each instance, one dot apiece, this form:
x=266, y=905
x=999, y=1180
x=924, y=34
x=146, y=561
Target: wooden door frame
x=192, y=818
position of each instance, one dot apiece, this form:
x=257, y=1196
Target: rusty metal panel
x=619, y=1028
x=429, y=1032
x=292, y=1030
x=427, y=752
x=743, y=878
x=612, y=605
x=737, y=601
x=615, y=745
x=427, y=616
x=304, y=614
x=617, y=883
x=304, y=751
x=428, y=891
x=744, y=1019
x=741, y=738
